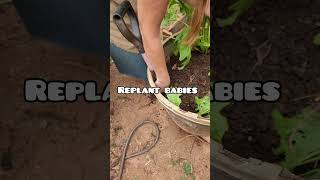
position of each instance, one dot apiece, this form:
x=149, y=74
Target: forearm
x=150, y=14
x=156, y=56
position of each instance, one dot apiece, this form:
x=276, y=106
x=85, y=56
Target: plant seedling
x=185, y=51
x=220, y=123
x=238, y=8
x=172, y=14
x=299, y=141
x=202, y=105
x=187, y=168
x=176, y=9
x=316, y=39
x=203, y=42
x=175, y=99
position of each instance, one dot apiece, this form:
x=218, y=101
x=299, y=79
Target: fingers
x=161, y=86
x=163, y=82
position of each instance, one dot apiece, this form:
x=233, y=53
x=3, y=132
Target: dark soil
x=47, y=140
x=288, y=26
x=196, y=74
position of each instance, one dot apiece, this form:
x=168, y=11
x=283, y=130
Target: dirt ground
x=174, y=150
x=281, y=33
x=48, y=141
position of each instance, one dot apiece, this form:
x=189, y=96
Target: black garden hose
x=124, y=154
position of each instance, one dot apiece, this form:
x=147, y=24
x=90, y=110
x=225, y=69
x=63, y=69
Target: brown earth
x=175, y=147
x=48, y=140
x=293, y=60
x=195, y=74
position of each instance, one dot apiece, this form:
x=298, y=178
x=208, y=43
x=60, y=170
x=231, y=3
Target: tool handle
x=133, y=35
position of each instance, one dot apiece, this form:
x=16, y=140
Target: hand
x=150, y=15
x=162, y=76
x=163, y=82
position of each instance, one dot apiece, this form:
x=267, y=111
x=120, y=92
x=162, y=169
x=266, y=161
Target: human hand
x=163, y=81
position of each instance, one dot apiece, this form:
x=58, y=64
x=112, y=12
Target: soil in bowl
x=288, y=27
x=195, y=74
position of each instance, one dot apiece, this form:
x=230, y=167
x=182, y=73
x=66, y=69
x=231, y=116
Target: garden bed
x=282, y=34
x=194, y=75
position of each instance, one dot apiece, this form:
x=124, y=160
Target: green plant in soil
x=299, y=135
x=316, y=39
x=219, y=124
x=299, y=142
x=174, y=98
x=202, y=44
x=202, y=105
x=177, y=8
x=182, y=50
x=187, y=168
x=238, y=8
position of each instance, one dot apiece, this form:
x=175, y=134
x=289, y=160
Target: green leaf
x=187, y=168
x=227, y=21
x=202, y=105
x=184, y=8
x=176, y=8
x=313, y=174
x=185, y=52
x=203, y=42
x=299, y=139
x=171, y=16
x=174, y=98
x=219, y=124
x=316, y=39
x=238, y=8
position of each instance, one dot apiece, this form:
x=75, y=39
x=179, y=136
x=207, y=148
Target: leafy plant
x=316, y=39
x=202, y=105
x=219, y=124
x=176, y=9
x=174, y=98
x=187, y=168
x=172, y=14
x=238, y=8
x=183, y=50
x=203, y=42
x=299, y=140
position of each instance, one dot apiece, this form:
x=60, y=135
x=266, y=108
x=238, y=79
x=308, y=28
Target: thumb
x=162, y=84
